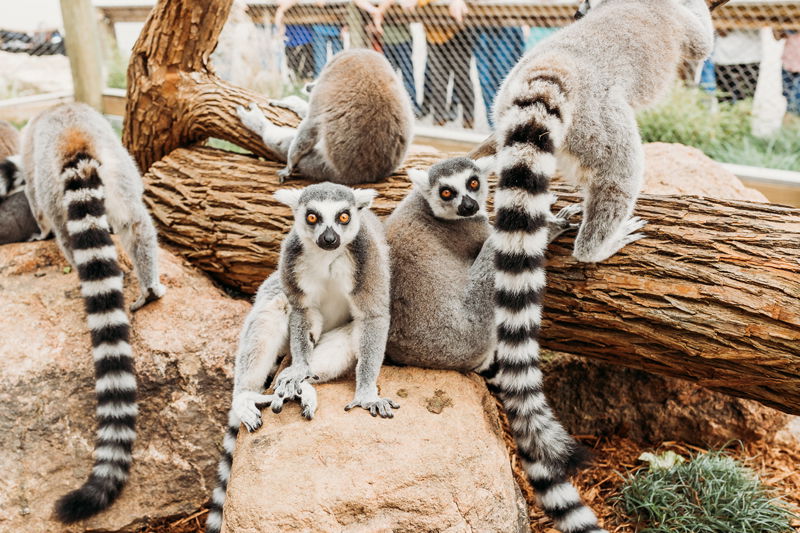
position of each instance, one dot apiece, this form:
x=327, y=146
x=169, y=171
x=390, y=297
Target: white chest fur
x=326, y=279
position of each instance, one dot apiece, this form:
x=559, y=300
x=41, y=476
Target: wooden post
x=83, y=50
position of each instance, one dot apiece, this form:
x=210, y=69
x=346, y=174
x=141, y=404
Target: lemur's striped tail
x=95, y=256
x=11, y=179
x=214, y=520
x=529, y=130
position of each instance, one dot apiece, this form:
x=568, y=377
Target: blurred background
x=741, y=107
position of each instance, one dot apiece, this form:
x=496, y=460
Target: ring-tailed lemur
x=356, y=127
x=16, y=220
x=443, y=269
x=11, y=178
x=333, y=275
x=570, y=101
x=81, y=183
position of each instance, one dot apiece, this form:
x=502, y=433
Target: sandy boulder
x=439, y=465
x=183, y=346
x=678, y=169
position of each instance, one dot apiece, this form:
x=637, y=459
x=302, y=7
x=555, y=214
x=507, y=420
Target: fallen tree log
x=712, y=294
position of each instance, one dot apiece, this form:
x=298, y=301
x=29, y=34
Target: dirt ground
x=777, y=462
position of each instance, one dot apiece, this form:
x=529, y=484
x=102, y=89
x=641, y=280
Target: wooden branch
x=710, y=295
x=174, y=98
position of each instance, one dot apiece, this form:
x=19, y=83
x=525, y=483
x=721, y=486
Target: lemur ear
x=419, y=178
x=364, y=197
x=290, y=197
x=486, y=164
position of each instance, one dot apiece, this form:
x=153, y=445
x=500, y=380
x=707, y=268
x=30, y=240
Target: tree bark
x=712, y=294
x=216, y=208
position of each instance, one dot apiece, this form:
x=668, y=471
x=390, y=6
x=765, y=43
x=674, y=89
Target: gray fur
x=357, y=126
x=442, y=274
x=42, y=154
x=604, y=80
x=81, y=184
x=328, y=307
x=16, y=220
x=570, y=103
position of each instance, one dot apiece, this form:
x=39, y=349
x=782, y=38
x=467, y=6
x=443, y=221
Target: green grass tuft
x=712, y=493
x=688, y=116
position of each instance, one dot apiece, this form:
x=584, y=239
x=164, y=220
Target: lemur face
x=327, y=215
x=455, y=188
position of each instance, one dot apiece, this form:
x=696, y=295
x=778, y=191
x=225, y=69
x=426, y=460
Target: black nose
x=328, y=240
x=579, y=14
x=467, y=207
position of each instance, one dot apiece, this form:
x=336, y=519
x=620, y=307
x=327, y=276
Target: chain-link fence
x=453, y=55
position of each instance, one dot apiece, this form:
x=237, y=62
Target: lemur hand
x=376, y=406
x=289, y=385
x=247, y=406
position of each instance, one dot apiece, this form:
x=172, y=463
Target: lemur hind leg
x=617, y=168
x=276, y=138
x=139, y=239
x=302, y=145
x=293, y=103
x=264, y=338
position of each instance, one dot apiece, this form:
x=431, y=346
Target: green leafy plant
x=690, y=116
x=712, y=493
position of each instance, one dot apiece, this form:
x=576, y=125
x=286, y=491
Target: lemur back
x=570, y=102
x=356, y=127
x=365, y=125
x=81, y=183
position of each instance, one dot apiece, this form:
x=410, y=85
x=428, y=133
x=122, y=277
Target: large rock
x=439, y=465
x=678, y=169
x=183, y=346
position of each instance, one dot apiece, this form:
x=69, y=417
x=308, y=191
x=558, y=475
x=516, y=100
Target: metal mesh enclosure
x=454, y=55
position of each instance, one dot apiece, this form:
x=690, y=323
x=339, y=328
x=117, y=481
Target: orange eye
x=344, y=218
x=446, y=194
x=311, y=218
x=474, y=184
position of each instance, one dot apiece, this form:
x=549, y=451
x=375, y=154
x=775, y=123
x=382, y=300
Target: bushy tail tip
x=86, y=501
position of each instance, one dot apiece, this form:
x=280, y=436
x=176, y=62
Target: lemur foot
x=153, y=294
x=560, y=223
x=39, y=236
x=626, y=234
x=308, y=400
x=284, y=173
x=247, y=406
x=293, y=103
x=252, y=118
x=379, y=406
